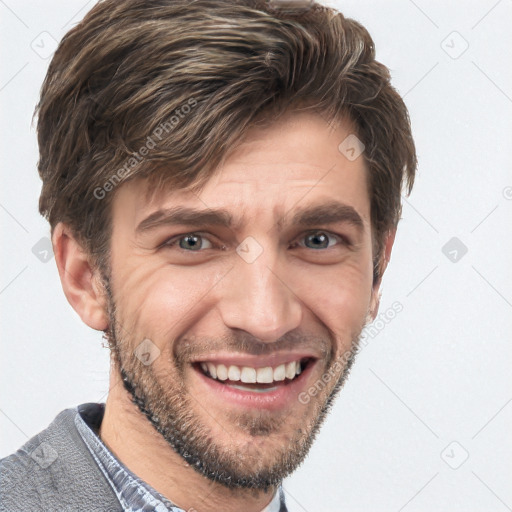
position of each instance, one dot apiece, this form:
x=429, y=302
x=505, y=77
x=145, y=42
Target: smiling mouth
x=247, y=378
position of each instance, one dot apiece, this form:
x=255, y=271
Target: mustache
x=193, y=347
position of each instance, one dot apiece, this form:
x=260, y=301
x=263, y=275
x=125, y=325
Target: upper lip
x=255, y=361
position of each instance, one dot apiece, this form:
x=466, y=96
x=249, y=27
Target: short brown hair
x=128, y=70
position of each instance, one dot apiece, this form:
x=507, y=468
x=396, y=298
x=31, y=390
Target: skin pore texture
x=305, y=291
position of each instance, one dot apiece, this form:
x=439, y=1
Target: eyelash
x=172, y=242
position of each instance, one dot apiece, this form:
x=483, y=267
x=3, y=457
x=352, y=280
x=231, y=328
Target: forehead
x=275, y=170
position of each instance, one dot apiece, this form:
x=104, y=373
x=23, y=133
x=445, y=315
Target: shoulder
x=54, y=470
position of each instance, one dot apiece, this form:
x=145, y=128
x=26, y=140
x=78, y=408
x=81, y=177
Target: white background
x=438, y=373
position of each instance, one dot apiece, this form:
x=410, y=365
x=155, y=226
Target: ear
x=384, y=260
x=81, y=282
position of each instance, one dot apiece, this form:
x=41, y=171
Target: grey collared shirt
x=134, y=494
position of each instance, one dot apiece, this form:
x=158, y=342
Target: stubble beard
x=170, y=410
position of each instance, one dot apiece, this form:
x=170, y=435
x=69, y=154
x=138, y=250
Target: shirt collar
x=133, y=493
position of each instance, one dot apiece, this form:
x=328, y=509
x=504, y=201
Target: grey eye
x=318, y=240
x=193, y=242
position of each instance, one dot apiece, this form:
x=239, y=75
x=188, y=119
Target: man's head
x=274, y=144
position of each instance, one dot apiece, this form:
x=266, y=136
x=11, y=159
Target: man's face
x=284, y=288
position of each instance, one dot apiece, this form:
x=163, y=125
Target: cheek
x=160, y=302
x=339, y=297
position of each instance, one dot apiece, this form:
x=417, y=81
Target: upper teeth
x=249, y=375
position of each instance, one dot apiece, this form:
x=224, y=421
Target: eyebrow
x=327, y=213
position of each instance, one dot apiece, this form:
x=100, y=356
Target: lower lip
x=286, y=391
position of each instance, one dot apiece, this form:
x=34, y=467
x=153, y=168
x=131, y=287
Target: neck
x=129, y=435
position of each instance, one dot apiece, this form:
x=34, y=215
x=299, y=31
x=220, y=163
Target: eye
x=321, y=240
x=189, y=242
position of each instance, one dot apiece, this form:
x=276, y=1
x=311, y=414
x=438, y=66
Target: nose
x=258, y=298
